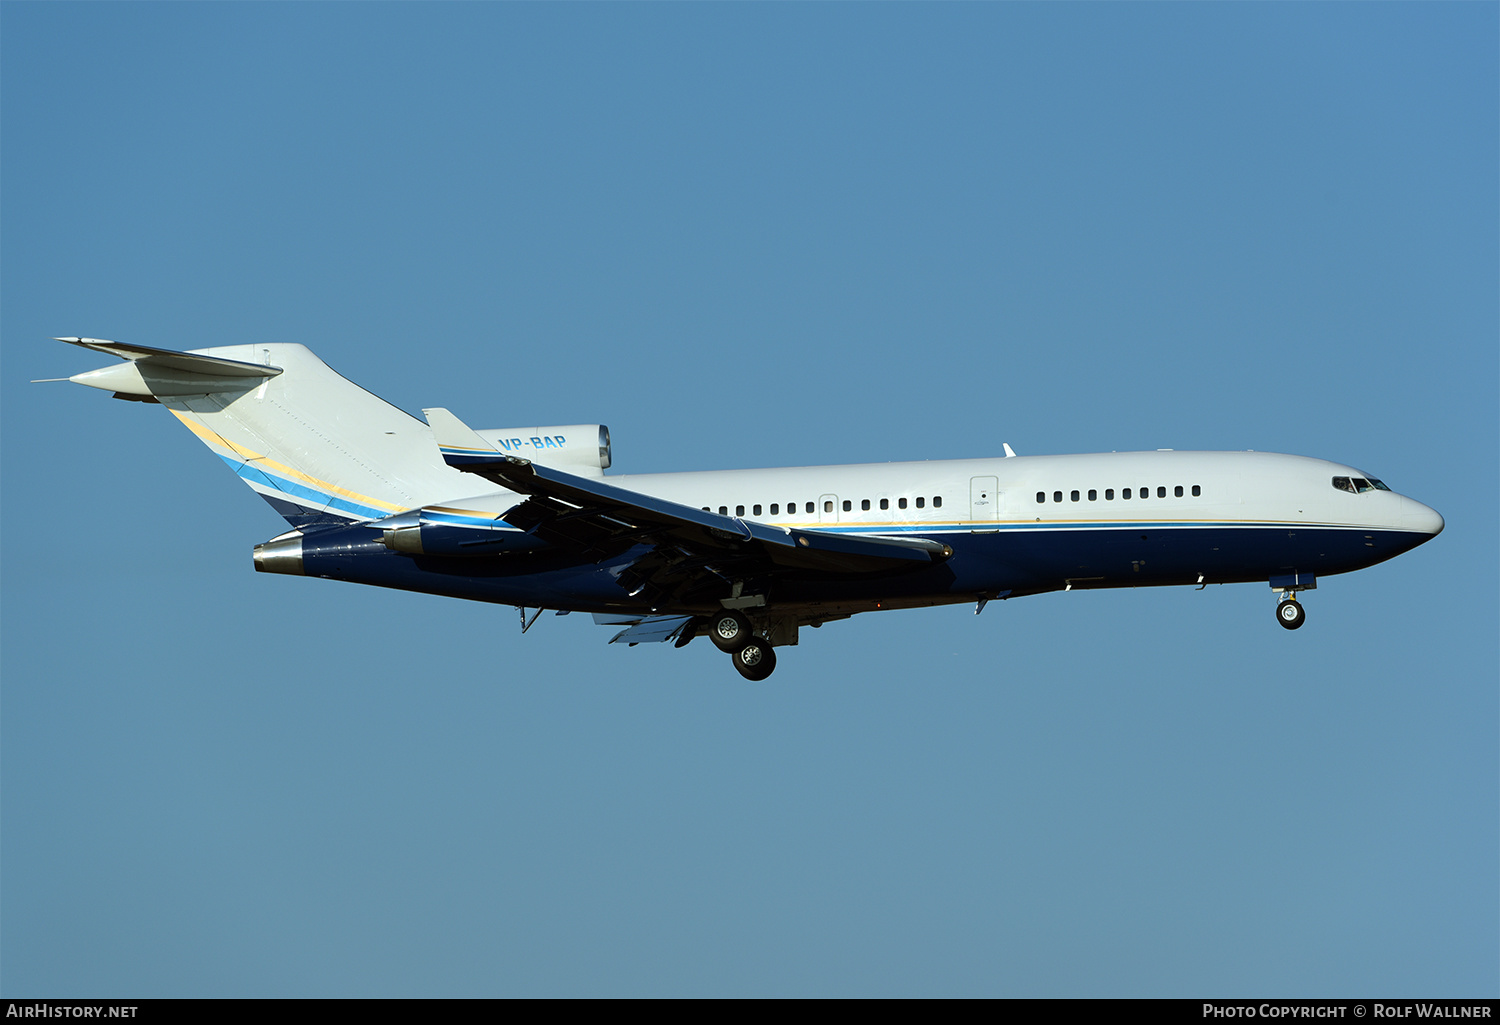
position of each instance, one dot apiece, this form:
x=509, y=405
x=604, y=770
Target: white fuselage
x=1028, y=493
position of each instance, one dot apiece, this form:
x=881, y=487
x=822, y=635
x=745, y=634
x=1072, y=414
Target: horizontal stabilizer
x=150, y=373
x=188, y=362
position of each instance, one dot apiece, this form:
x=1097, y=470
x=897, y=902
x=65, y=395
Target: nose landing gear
x=1290, y=614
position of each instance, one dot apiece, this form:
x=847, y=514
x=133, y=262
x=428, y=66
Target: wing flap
x=644, y=630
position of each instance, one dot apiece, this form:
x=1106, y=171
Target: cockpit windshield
x=1358, y=485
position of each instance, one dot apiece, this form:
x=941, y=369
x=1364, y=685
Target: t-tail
x=320, y=449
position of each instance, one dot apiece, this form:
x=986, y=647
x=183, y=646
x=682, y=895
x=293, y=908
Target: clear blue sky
x=752, y=235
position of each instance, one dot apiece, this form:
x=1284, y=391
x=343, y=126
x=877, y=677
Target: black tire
x=756, y=659
x=729, y=631
x=1290, y=614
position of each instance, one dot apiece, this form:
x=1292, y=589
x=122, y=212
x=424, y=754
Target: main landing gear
x=733, y=634
x=729, y=631
x=756, y=660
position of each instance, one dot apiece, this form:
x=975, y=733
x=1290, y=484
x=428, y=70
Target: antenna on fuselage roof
x=1009, y=452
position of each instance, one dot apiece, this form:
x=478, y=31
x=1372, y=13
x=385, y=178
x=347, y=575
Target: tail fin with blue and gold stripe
x=318, y=448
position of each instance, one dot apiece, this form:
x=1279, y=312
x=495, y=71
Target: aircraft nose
x=1417, y=516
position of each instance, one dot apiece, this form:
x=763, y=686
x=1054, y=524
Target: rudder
x=316, y=446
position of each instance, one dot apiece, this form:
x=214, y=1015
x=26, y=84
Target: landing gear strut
x=1289, y=612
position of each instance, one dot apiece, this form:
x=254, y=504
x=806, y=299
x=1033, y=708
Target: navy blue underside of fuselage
x=1021, y=562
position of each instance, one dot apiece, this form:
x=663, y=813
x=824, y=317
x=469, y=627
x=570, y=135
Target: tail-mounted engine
x=441, y=530
x=577, y=448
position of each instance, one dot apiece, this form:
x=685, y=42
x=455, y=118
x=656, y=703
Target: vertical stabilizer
x=317, y=447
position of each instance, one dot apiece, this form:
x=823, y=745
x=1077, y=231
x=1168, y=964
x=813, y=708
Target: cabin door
x=984, y=502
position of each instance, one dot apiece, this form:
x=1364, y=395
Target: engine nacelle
x=440, y=530
x=575, y=447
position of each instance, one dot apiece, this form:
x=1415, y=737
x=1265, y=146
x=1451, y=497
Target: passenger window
x=1145, y=493
x=809, y=507
x=1041, y=496
x=1057, y=496
x=1093, y=495
x=1161, y=492
x=755, y=511
x=739, y=510
x=900, y=503
x=921, y=502
x=775, y=508
x=723, y=510
x=828, y=507
x=1075, y=496
x=937, y=501
x=885, y=503
x=865, y=504
x=1109, y=494
x=1177, y=491
x=1125, y=495
x=1197, y=491
x=847, y=506
x=1343, y=484
x=705, y=508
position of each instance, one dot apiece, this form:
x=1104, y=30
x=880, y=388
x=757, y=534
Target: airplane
x=527, y=517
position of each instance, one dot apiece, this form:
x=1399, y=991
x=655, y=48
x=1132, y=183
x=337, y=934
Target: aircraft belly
x=528, y=580
x=1008, y=561
x=1173, y=555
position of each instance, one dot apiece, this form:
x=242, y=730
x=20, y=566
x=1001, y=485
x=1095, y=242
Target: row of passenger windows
x=1109, y=494
x=811, y=507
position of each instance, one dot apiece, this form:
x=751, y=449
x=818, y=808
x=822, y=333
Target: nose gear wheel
x=1290, y=614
